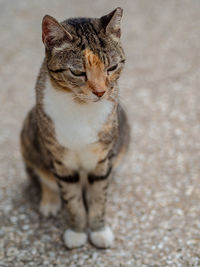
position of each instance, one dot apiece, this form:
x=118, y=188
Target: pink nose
x=99, y=94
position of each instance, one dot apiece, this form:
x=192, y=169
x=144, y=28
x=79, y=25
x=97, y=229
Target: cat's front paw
x=102, y=238
x=74, y=239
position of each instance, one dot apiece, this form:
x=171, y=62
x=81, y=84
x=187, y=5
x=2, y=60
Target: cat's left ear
x=53, y=32
x=111, y=23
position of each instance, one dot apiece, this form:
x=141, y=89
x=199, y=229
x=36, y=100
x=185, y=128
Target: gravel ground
x=154, y=198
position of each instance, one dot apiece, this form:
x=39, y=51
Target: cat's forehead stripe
x=92, y=60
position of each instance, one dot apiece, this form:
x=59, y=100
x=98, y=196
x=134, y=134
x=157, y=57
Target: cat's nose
x=99, y=93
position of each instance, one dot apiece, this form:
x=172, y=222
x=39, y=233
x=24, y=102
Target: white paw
x=102, y=238
x=49, y=208
x=74, y=239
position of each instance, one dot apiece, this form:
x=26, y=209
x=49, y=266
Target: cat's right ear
x=53, y=32
x=111, y=23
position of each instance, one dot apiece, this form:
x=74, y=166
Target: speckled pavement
x=154, y=199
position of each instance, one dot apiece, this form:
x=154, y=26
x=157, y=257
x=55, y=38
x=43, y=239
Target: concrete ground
x=154, y=199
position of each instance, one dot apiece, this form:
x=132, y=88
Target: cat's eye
x=114, y=67
x=78, y=73
x=58, y=70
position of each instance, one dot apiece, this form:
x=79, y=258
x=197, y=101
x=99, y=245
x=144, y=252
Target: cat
x=76, y=132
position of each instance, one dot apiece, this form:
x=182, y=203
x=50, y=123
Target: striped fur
x=77, y=129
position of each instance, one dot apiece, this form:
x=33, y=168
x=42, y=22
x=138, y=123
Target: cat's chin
x=97, y=100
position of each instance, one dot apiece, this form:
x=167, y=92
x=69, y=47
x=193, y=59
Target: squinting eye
x=78, y=73
x=112, y=68
x=58, y=70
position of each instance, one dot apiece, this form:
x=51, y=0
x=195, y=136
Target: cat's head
x=84, y=55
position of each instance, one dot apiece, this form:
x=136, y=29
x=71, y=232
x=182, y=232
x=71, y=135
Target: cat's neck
x=75, y=124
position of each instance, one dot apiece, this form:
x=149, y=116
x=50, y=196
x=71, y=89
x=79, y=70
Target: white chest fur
x=76, y=125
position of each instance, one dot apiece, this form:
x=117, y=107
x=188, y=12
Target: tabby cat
x=73, y=136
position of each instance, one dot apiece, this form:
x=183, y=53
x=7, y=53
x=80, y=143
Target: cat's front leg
x=71, y=192
x=100, y=234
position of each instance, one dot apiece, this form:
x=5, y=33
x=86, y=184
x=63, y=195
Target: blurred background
x=154, y=199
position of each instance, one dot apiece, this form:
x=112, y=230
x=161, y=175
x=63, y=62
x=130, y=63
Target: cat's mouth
x=91, y=98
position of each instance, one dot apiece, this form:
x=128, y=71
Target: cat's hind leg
x=50, y=202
